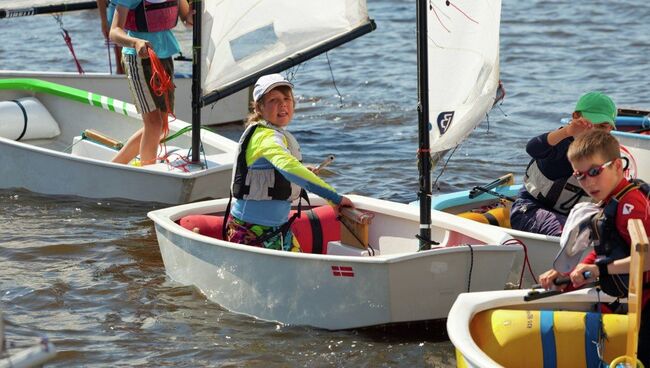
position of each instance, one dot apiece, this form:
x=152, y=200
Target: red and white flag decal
x=344, y=271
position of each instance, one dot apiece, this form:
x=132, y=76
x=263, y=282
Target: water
x=89, y=275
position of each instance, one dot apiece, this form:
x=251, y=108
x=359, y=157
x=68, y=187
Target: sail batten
x=243, y=40
x=463, y=39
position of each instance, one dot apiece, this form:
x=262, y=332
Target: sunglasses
x=594, y=171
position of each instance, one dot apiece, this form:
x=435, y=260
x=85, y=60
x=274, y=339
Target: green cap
x=597, y=107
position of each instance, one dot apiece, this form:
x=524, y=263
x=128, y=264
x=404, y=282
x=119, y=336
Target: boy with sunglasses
x=598, y=167
x=549, y=191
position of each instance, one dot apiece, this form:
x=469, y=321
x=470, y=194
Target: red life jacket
x=153, y=16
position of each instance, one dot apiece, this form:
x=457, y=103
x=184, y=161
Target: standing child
x=595, y=158
x=139, y=25
x=268, y=173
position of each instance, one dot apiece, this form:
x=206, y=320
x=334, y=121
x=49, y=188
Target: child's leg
x=153, y=123
x=130, y=149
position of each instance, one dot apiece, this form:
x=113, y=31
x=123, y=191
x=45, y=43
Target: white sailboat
x=47, y=146
x=233, y=108
x=532, y=328
x=34, y=355
x=401, y=276
x=542, y=249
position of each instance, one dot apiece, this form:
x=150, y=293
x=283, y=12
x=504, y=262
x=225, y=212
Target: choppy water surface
x=88, y=273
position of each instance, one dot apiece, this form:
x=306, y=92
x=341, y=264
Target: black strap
x=24, y=119
x=284, y=228
x=316, y=233
x=225, y=219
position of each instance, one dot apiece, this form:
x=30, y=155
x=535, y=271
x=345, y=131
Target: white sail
x=463, y=40
x=240, y=38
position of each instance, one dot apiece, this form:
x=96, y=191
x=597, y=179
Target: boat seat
x=314, y=229
x=26, y=118
x=87, y=146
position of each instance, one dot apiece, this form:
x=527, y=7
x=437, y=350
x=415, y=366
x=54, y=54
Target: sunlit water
x=88, y=273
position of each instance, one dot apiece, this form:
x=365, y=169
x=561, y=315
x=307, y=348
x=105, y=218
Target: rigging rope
x=68, y=41
x=161, y=85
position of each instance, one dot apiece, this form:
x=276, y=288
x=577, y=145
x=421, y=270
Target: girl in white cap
x=268, y=173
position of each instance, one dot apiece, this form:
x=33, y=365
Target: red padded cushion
x=211, y=225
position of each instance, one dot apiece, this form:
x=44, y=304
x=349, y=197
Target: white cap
x=266, y=83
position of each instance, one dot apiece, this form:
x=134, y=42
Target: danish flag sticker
x=342, y=271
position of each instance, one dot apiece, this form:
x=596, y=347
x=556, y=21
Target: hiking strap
x=284, y=228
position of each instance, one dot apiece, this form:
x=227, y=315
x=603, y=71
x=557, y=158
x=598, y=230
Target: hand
x=189, y=19
x=311, y=168
x=141, y=47
x=546, y=280
x=577, y=275
x=578, y=126
x=345, y=202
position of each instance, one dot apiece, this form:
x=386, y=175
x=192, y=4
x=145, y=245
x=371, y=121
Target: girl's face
x=277, y=107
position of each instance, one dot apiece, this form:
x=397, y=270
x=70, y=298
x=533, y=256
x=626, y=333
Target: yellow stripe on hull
x=513, y=338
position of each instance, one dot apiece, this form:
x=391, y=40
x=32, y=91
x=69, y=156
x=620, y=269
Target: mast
x=196, y=79
x=424, y=152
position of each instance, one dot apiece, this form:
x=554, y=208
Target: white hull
x=470, y=304
x=399, y=284
x=639, y=147
x=541, y=249
x=49, y=166
x=233, y=108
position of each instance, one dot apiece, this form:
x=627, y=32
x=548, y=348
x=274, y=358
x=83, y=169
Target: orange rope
x=161, y=84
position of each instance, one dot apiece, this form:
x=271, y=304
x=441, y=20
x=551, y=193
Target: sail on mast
x=463, y=67
x=242, y=40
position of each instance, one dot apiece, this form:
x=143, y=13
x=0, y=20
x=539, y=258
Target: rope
x=161, y=84
x=526, y=261
x=329, y=64
x=371, y=250
x=108, y=51
x=471, y=267
x=68, y=42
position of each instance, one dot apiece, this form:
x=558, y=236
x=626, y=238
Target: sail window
x=253, y=42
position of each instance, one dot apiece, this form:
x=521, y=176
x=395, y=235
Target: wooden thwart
x=354, y=227
x=639, y=250
x=101, y=138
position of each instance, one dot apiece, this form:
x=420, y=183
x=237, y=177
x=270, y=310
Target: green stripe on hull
x=70, y=93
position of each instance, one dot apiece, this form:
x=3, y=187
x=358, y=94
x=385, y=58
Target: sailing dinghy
x=529, y=328
x=59, y=140
x=490, y=203
x=231, y=109
x=401, y=264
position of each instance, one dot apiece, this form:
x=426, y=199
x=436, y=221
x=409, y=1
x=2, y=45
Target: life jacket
x=560, y=195
x=608, y=242
x=153, y=16
x=264, y=184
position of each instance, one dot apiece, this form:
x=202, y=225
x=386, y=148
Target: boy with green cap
x=550, y=191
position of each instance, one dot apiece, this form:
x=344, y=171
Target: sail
x=23, y=8
x=242, y=40
x=463, y=43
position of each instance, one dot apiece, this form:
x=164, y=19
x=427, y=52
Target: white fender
x=26, y=118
